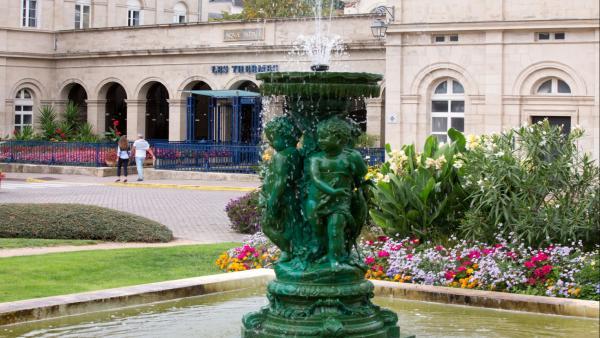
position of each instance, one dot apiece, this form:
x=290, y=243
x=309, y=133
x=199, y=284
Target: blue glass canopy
x=223, y=94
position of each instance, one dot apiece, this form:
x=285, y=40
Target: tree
x=264, y=9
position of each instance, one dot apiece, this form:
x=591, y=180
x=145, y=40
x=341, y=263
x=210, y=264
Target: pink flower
x=487, y=251
x=461, y=268
x=540, y=257
x=409, y=256
x=415, y=241
x=449, y=275
x=498, y=246
x=383, y=253
x=396, y=247
x=369, y=260
x=474, y=254
x=370, y=242
x=382, y=239
x=529, y=265
x=439, y=248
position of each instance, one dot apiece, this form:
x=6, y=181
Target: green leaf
x=458, y=138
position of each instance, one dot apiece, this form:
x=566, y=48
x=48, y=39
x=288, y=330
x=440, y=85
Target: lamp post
x=379, y=26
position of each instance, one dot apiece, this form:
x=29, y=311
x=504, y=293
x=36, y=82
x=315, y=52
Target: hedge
x=76, y=221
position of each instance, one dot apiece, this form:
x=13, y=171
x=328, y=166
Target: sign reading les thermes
x=243, y=34
x=244, y=69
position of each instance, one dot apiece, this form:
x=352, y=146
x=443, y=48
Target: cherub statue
x=335, y=173
x=279, y=196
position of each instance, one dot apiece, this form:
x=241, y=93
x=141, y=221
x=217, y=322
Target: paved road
x=196, y=215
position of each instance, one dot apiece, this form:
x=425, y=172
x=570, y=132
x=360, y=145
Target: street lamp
x=379, y=26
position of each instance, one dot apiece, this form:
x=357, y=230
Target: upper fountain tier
x=325, y=85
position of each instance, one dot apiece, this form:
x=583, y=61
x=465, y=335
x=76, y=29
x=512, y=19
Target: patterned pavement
x=192, y=214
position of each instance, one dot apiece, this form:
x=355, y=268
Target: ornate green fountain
x=314, y=202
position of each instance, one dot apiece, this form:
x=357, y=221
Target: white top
x=123, y=154
x=141, y=146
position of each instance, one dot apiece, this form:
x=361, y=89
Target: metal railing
x=57, y=153
x=169, y=156
x=211, y=157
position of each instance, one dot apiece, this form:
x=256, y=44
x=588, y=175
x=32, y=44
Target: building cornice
x=493, y=26
x=368, y=45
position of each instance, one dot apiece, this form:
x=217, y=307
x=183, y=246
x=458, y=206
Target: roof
x=223, y=94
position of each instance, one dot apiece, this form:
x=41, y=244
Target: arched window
x=447, y=108
x=179, y=13
x=134, y=13
x=553, y=86
x=23, y=109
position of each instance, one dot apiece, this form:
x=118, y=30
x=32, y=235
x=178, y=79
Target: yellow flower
x=469, y=271
x=397, y=277
x=407, y=278
x=475, y=266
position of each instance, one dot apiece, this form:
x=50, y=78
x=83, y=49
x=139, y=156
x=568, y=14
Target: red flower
x=439, y=248
x=531, y=281
x=382, y=239
x=369, y=260
x=115, y=123
x=529, y=265
x=383, y=253
x=409, y=256
x=474, y=254
x=63, y=136
x=540, y=257
x=461, y=268
x=498, y=246
x=118, y=133
x=396, y=247
x=450, y=275
x=14, y=132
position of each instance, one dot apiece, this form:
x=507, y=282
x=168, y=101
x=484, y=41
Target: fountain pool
x=219, y=315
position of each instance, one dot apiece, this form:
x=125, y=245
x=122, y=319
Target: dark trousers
x=124, y=163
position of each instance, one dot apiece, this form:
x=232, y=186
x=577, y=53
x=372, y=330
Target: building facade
x=481, y=66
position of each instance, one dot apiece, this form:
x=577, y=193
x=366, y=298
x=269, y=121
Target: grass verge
x=15, y=243
x=26, y=277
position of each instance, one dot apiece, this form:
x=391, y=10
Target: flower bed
x=556, y=271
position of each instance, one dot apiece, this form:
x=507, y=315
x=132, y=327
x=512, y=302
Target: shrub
x=24, y=134
x=420, y=194
x=244, y=213
x=533, y=184
x=47, y=121
x=75, y=221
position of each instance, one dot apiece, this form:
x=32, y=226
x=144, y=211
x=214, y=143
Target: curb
x=488, y=299
x=179, y=186
x=78, y=303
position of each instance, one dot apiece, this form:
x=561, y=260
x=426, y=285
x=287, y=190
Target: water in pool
x=219, y=316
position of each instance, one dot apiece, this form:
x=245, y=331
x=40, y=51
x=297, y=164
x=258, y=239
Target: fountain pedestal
x=314, y=202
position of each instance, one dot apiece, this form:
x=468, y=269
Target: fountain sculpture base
x=307, y=304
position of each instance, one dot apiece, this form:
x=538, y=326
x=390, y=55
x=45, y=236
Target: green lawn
x=12, y=243
x=27, y=277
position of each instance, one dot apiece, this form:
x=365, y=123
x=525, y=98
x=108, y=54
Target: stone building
x=478, y=65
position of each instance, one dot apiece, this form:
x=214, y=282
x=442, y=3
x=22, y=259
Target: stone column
x=136, y=118
x=375, y=120
x=393, y=80
x=177, y=119
x=7, y=119
x=96, y=115
x=492, y=112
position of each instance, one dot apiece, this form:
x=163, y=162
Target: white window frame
x=449, y=97
x=551, y=36
x=82, y=4
x=134, y=6
x=20, y=103
x=25, y=11
x=553, y=87
x=179, y=11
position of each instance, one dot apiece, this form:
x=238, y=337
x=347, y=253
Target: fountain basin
x=216, y=316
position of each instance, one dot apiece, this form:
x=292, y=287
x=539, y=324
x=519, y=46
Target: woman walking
x=122, y=158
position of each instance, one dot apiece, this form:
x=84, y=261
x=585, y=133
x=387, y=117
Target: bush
x=531, y=184
x=419, y=195
x=75, y=221
x=244, y=213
